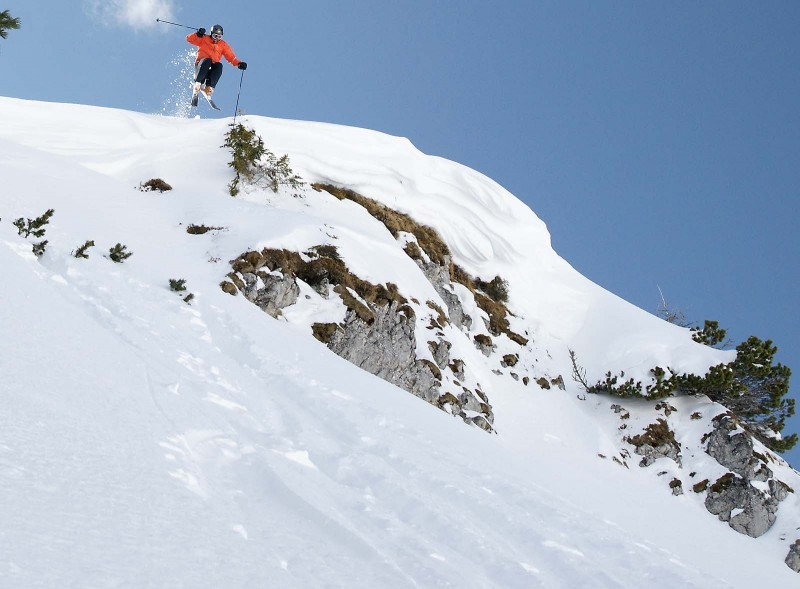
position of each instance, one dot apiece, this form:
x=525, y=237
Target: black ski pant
x=208, y=73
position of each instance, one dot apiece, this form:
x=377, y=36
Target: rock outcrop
x=439, y=276
x=657, y=441
x=746, y=509
x=386, y=347
x=379, y=331
x=733, y=498
x=270, y=292
x=793, y=558
x=732, y=447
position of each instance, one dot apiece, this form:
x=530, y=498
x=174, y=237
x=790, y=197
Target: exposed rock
x=439, y=277
x=482, y=423
x=441, y=352
x=386, y=348
x=734, y=452
x=756, y=511
x=378, y=333
x=763, y=474
x=657, y=441
x=457, y=366
x=779, y=489
x=270, y=292
x=793, y=558
x=677, y=487
x=484, y=344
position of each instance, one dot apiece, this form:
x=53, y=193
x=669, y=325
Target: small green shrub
x=119, y=253
x=38, y=248
x=255, y=165
x=81, y=251
x=34, y=227
x=711, y=334
x=177, y=285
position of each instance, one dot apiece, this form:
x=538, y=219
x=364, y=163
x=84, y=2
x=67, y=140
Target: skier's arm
x=228, y=53
x=193, y=38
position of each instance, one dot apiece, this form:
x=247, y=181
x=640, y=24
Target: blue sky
x=660, y=142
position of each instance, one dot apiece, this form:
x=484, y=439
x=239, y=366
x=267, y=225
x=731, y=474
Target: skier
x=208, y=65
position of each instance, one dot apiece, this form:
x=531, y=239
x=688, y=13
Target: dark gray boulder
x=793, y=558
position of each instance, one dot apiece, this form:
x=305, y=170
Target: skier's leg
x=201, y=70
x=214, y=74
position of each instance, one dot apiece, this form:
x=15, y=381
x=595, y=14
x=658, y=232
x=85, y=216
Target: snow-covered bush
x=751, y=387
x=255, y=165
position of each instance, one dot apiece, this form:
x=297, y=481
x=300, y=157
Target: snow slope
x=145, y=442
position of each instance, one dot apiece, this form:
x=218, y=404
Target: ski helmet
x=216, y=30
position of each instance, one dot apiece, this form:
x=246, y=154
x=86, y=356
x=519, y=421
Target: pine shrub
x=255, y=165
x=35, y=227
x=177, y=285
x=81, y=251
x=751, y=387
x=119, y=253
x=38, y=248
x=710, y=334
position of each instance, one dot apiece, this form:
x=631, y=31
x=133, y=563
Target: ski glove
x=242, y=65
x=201, y=32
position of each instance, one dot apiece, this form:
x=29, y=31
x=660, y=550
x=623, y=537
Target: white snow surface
x=146, y=442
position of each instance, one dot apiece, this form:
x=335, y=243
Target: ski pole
x=166, y=22
x=236, y=112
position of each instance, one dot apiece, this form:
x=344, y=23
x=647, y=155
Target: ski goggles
x=216, y=36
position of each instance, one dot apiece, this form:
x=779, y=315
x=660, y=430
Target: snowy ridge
x=145, y=442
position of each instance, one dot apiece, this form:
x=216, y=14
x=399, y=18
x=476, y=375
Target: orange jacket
x=214, y=51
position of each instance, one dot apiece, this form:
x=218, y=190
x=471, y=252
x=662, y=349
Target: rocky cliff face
x=417, y=345
x=381, y=329
x=737, y=491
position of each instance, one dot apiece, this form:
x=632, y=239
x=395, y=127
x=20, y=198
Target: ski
x=210, y=102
